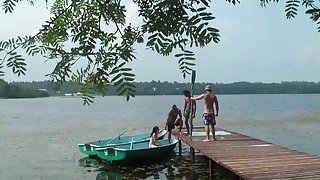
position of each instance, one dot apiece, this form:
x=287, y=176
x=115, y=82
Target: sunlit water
x=39, y=137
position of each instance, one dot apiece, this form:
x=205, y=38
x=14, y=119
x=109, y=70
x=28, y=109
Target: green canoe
x=90, y=147
x=136, y=150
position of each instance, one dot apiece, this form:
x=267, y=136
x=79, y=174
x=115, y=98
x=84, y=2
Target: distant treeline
x=175, y=88
x=14, y=91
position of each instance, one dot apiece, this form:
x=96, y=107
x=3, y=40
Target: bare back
x=173, y=114
x=209, y=101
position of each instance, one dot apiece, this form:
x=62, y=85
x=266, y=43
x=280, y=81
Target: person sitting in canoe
x=174, y=119
x=154, y=137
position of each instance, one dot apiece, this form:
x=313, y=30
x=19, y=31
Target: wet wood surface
x=251, y=158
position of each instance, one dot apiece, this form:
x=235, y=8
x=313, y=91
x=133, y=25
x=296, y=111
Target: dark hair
x=186, y=93
x=154, y=130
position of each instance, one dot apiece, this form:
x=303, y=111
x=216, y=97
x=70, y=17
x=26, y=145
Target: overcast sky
x=257, y=45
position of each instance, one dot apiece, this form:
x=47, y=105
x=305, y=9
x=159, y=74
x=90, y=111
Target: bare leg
x=213, y=132
x=207, y=132
x=186, y=121
x=187, y=126
x=180, y=126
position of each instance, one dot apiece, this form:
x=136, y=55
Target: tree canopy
x=16, y=91
x=96, y=32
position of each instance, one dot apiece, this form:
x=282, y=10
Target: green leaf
x=311, y=11
x=208, y=18
x=125, y=69
x=199, y=28
x=205, y=2
x=128, y=74
x=190, y=58
x=201, y=9
x=128, y=79
x=178, y=55
x=118, y=82
x=116, y=78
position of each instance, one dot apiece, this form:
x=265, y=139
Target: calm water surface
x=39, y=136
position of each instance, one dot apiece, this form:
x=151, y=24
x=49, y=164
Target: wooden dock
x=251, y=158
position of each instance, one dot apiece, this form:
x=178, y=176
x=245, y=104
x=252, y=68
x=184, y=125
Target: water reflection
x=170, y=167
x=89, y=162
x=109, y=176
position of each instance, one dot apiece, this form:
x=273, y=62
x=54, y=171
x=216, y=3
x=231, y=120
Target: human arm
x=197, y=97
x=217, y=105
x=178, y=118
x=194, y=104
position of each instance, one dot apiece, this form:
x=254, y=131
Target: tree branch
x=101, y=5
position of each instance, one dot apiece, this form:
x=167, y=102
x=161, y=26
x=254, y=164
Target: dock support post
x=210, y=168
x=192, y=154
x=180, y=149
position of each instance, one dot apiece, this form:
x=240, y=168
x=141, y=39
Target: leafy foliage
x=263, y=3
x=96, y=32
x=313, y=11
x=13, y=59
x=8, y=6
x=291, y=8
x=233, y=1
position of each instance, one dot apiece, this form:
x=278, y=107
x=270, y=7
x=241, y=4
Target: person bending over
x=174, y=119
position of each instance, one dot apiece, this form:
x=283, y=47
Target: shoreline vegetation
x=8, y=90
x=47, y=88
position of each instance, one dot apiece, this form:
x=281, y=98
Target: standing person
x=174, y=119
x=187, y=108
x=208, y=113
x=154, y=137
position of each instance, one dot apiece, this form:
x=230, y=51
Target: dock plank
x=252, y=158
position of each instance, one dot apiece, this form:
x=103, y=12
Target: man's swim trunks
x=209, y=118
x=170, y=126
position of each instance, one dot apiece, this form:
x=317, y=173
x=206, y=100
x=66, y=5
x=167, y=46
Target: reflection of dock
x=251, y=158
x=109, y=175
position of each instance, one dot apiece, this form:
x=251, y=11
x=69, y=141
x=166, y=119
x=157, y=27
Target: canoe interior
x=126, y=139
x=143, y=145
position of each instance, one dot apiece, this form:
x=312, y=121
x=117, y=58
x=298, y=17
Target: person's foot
x=214, y=139
x=206, y=140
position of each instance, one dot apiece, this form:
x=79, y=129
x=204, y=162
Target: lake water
x=39, y=137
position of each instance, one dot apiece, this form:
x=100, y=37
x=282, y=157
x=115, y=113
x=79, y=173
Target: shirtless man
x=187, y=108
x=173, y=120
x=208, y=113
